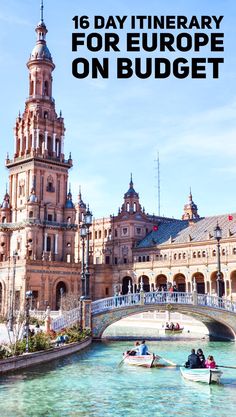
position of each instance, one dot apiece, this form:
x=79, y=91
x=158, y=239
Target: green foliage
x=5, y=352
x=42, y=341
x=35, y=320
x=75, y=333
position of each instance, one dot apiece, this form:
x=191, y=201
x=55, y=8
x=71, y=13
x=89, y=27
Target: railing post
x=195, y=300
x=48, y=320
x=141, y=297
x=86, y=314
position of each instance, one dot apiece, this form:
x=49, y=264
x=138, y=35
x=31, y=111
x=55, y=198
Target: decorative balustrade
x=66, y=320
x=162, y=297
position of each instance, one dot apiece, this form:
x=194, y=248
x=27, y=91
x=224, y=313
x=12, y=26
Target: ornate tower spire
x=190, y=209
x=41, y=12
x=131, y=199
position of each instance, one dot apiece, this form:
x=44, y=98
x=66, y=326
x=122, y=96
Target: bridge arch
x=216, y=321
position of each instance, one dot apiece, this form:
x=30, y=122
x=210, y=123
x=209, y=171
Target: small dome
x=131, y=191
x=69, y=202
x=41, y=51
x=6, y=202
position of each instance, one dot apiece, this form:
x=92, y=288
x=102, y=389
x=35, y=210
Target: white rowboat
x=147, y=361
x=206, y=375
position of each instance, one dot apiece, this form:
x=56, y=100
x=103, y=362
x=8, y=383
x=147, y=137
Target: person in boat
x=143, y=349
x=134, y=351
x=193, y=361
x=201, y=357
x=167, y=326
x=172, y=326
x=177, y=326
x=210, y=362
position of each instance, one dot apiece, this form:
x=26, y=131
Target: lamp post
x=218, y=236
x=28, y=297
x=83, y=233
x=87, y=223
x=12, y=298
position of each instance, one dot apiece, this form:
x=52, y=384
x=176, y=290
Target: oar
x=167, y=360
x=121, y=362
x=223, y=366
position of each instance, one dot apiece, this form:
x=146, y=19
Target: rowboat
x=202, y=375
x=174, y=331
x=147, y=361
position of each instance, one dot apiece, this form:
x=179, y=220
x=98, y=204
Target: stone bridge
x=218, y=314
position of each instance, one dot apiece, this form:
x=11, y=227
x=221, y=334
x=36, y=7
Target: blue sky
x=115, y=127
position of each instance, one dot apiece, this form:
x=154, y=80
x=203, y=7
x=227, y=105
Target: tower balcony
x=37, y=97
x=36, y=155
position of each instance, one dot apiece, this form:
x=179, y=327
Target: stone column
x=46, y=140
x=62, y=144
x=54, y=142
x=56, y=244
x=27, y=141
x=21, y=143
x=37, y=138
x=45, y=241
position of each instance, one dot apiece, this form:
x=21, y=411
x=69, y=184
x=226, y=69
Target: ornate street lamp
x=87, y=223
x=12, y=292
x=28, y=297
x=83, y=234
x=219, y=281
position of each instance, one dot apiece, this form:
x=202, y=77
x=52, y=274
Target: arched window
x=184, y=255
x=194, y=255
x=31, y=88
x=127, y=207
x=175, y=256
x=99, y=234
x=60, y=294
x=68, y=258
x=4, y=220
x=105, y=232
x=135, y=206
x=214, y=252
x=203, y=253
x=180, y=255
x=223, y=252
x=234, y=251
x=31, y=214
x=96, y=234
x=140, y=259
x=199, y=254
x=45, y=90
x=48, y=246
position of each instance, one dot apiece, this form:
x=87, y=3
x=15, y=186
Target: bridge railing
x=66, y=320
x=115, y=302
x=165, y=297
x=216, y=302
x=162, y=297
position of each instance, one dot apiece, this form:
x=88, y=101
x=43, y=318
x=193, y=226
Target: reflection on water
x=92, y=384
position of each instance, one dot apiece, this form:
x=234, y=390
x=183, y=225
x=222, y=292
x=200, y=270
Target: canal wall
x=35, y=358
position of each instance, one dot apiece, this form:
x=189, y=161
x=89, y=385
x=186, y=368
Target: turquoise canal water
x=91, y=384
